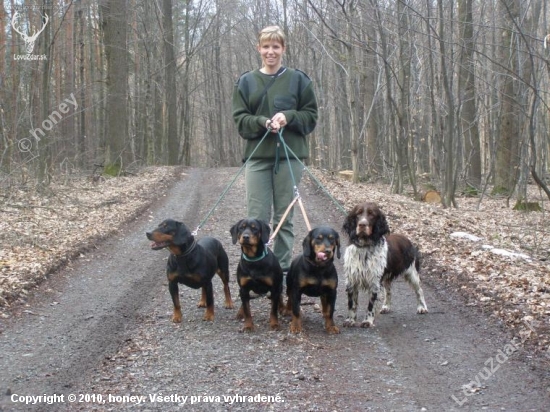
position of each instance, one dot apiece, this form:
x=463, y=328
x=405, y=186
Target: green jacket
x=292, y=94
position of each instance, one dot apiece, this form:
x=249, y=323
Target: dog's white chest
x=364, y=266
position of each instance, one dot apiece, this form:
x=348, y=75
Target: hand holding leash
x=276, y=123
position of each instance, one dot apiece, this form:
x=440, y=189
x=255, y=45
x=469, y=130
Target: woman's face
x=272, y=54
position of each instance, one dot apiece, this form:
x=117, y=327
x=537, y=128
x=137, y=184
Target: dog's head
x=252, y=235
x=321, y=245
x=172, y=235
x=365, y=224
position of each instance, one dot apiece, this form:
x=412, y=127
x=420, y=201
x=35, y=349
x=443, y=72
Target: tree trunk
x=81, y=134
x=114, y=26
x=507, y=159
x=467, y=98
x=170, y=83
x=449, y=185
x=44, y=145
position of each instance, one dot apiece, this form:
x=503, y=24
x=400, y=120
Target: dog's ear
x=337, y=240
x=381, y=227
x=306, y=244
x=266, y=231
x=182, y=234
x=235, y=231
x=350, y=221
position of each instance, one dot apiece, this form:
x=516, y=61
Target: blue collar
x=256, y=259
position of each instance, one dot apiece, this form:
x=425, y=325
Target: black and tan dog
x=192, y=263
x=258, y=271
x=313, y=274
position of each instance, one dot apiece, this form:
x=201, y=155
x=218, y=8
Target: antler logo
x=29, y=39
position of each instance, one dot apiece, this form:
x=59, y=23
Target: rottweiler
x=313, y=273
x=192, y=263
x=258, y=271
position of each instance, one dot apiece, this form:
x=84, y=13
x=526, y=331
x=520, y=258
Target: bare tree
x=507, y=155
x=467, y=94
x=114, y=26
x=170, y=83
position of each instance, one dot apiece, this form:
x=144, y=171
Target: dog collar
x=256, y=259
x=188, y=251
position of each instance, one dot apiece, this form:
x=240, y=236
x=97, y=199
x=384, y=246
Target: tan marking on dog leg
x=296, y=324
x=202, y=301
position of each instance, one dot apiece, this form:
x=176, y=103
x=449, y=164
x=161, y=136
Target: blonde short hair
x=271, y=33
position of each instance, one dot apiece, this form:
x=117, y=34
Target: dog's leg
x=288, y=307
x=376, y=300
x=202, y=301
x=296, y=322
x=327, y=302
x=275, y=302
x=224, y=276
x=240, y=313
x=411, y=275
x=353, y=295
x=386, y=307
x=283, y=311
x=247, y=315
x=209, y=291
x=369, y=318
x=174, y=293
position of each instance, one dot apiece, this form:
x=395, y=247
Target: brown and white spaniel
x=374, y=259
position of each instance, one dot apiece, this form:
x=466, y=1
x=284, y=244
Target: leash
x=317, y=182
x=201, y=224
x=297, y=197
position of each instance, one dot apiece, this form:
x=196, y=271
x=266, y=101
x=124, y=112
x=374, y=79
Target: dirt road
x=101, y=330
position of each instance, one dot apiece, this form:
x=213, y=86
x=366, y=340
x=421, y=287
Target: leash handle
x=298, y=199
x=304, y=214
x=274, y=234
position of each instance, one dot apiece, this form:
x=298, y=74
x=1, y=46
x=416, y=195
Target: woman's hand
x=276, y=123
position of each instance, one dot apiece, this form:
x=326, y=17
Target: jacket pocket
x=282, y=103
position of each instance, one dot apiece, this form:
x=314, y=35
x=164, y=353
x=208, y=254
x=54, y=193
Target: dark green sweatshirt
x=292, y=94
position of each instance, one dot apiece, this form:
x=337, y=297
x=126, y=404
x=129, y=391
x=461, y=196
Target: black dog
x=192, y=263
x=313, y=273
x=258, y=271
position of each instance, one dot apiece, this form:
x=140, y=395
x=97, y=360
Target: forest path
x=102, y=328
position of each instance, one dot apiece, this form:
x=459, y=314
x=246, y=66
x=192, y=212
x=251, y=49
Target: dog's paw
x=208, y=316
x=367, y=323
x=421, y=309
x=247, y=328
x=385, y=309
x=201, y=304
x=229, y=305
x=333, y=330
x=295, y=329
x=176, y=319
x=349, y=323
x=274, y=326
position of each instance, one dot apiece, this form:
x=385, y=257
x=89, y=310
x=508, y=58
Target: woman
x=272, y=98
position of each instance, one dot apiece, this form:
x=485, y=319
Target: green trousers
x=268, y=194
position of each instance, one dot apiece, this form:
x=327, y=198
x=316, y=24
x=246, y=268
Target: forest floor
x=84, y=306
